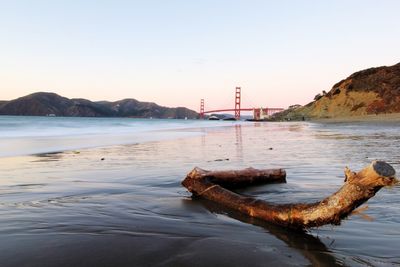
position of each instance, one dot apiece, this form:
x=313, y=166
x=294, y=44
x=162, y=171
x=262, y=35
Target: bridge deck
x=242, y=109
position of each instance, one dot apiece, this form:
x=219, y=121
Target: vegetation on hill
x=370, y=91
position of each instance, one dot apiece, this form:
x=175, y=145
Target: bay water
x=107, y=192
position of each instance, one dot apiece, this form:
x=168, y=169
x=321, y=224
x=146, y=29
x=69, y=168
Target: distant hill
x=370, y=91
x=42, y=104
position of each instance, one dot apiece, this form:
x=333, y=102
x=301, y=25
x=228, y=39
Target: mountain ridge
x=46, y=103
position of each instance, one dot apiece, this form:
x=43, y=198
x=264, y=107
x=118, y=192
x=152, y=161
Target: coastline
x=24, y=135
x=391, y=117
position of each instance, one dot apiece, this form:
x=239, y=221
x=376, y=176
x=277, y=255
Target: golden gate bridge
x=238, y=108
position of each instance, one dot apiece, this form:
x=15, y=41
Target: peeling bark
x=357, y=189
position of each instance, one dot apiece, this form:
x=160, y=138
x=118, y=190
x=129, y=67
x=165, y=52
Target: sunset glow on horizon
x=174, y=53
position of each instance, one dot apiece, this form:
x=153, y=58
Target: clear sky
x=175, y=52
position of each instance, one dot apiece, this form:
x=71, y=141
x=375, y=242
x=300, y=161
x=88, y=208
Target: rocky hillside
x=42, y=104
x=370, y=91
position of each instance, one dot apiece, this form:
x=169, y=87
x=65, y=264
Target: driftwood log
x=357, y=189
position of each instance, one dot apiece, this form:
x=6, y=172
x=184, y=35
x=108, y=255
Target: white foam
x=21, y=135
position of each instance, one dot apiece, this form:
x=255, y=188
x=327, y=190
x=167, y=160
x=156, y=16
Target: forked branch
x=357, y=189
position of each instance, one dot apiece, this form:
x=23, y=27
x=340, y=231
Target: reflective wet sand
x=124, y=205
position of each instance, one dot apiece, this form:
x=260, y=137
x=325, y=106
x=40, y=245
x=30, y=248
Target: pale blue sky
x=176, y=52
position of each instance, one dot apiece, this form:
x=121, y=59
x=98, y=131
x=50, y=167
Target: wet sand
x=393, y=117
x=74, y=209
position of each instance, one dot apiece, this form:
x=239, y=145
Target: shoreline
x=130, y=198
x=391, y=117
x=26, y=136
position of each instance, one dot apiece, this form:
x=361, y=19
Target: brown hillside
x=370, y=91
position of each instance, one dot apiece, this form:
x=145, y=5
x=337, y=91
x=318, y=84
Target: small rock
x=222, y=159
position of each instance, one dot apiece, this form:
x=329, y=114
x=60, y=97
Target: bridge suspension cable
x=237, y=109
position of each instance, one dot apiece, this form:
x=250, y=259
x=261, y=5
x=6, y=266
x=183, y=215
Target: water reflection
x=132, y=199
x=311, y=247
x=239, y=141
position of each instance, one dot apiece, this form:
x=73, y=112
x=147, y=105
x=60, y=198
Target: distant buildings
x=260, y=114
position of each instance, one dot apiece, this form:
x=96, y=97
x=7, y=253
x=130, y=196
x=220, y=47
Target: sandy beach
x=392, y=117
x=124, y=205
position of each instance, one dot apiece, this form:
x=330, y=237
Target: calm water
x=74, y=209
x=21, y=135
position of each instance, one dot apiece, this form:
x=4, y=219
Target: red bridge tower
x=237, y=103
x=202, y=109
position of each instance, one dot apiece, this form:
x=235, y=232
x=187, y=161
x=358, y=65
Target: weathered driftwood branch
x=240, y=178
x=358, y=188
